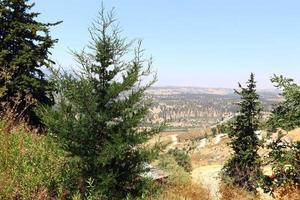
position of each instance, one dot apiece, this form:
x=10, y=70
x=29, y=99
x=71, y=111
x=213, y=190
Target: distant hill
x=171, y=90
x=198, y=107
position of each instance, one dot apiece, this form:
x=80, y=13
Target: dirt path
x=208, y=176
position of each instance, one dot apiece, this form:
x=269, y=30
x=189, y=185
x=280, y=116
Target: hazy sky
x=211, y=43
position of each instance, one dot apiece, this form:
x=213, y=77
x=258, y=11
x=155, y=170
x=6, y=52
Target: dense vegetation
x=30, y=165
x=284, y=156
x=91, y=139
x=286, y=115
x=24, y=50
x=182, y=159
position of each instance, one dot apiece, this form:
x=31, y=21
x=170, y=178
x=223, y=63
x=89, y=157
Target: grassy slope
x=29, y=165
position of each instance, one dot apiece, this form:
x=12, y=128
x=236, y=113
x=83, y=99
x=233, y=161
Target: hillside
x=193, y=107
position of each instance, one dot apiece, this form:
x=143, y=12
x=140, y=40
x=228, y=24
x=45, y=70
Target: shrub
x=177, y=175
x=29, y=165
x=286, y=114
x=182, y=159
x=284, y=158
x=288, y=192
x=179, y=184
x=230, y=192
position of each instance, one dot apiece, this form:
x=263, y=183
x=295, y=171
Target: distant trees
x=243, y=168
x=222, y=128
x=24, y=50
x=100, y=109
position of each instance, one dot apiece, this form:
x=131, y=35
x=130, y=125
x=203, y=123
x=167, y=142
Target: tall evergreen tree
x=243, y=168
x=100, y=110
x=24, y=50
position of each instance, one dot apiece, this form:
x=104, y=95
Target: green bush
x=181, y=158
x=29, y=165
x=284, y=159
x=286, y=114
x=177, y=175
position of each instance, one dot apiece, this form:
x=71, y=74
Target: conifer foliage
x=24, y=50
x=243, y=168
x=100, y=110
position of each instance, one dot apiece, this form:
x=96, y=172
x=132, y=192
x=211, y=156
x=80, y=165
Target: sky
x=205, y=43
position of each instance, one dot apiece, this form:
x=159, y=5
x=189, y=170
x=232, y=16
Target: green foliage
x=224, y=127
x=100, y=110
x=284, y=158
x=182, y=159
x=205, y=135
x=177, y=174
x=214, y=131
x=24, y=50
x=243, y=168
x=29, y=165
x=286, y=115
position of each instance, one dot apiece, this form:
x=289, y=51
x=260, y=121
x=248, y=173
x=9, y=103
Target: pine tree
x=24, y=50
x=100, y=110
x=243, y=168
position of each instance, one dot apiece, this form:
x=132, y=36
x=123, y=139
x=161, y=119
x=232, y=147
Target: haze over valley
x=196, y=107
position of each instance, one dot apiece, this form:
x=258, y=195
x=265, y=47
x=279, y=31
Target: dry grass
x=229, y=192
x=28, y=164
x=288, y=193
x=179, y=184
x=193, y=133
x=189, y=191
x=294, y=134
x=211, y=154
x=163, y=138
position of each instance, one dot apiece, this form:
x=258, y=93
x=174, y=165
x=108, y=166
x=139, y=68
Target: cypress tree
x=102, y=105
x=24, y=50
x=243, y=168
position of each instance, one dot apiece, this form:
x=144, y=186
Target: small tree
x=286, y=115
x=284, y=157
x=100, y=109
x=243, y=168
x=24, y=50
